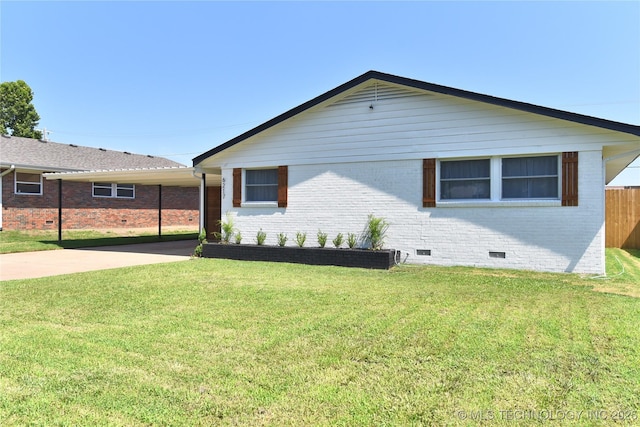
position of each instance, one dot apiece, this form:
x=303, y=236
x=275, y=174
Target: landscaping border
x=363, y=258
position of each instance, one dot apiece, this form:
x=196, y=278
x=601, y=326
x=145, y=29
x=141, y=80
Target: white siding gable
x=381, y=121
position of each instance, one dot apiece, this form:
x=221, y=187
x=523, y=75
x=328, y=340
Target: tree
x=17, y=113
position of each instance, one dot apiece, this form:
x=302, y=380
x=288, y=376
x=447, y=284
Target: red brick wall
x=80, y=210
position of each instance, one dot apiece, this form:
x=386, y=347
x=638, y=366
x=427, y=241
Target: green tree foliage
x=18, y=116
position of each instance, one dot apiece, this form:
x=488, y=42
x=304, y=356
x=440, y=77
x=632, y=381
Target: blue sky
x=175, y=79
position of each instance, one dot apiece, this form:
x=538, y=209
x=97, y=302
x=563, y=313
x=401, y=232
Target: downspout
x=8, y=171
x=205, y=204
x=201, y=203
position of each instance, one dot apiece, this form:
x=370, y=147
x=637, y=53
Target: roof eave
x=35, y=167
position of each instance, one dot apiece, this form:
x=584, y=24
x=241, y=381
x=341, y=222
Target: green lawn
x=216, y=342
x=21, y=241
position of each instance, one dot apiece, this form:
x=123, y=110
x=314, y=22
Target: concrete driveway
x=29, y=265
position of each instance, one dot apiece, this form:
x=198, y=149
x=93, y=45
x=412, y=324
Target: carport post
x=59, y=210
x=160, y=211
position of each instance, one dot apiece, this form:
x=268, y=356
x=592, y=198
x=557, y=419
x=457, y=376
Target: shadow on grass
x=633, y=252
x=117, y=241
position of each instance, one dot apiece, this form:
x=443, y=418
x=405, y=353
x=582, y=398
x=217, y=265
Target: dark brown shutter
x=429, y=183
x=570, y=178
x=283, y=183
x=237, y=187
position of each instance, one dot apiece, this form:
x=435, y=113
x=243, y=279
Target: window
x=125, y=191
x=107, y=189
x=530, y=178
x=101, y=189
x=544, y=180
x=257, y=186
x=465, y=179
x=261, y=185
x=28, y=183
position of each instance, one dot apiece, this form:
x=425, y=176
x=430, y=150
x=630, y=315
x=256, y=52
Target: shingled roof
x=31, y=153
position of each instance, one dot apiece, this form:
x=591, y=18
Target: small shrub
x=261, y=237
x=322, y=238
x=202, y=239
x=301, y=238
x=238, y=238
x=352, y=240
x=227, y=229
x=202, y=236
x=376, y=231
x=197, y=252
x=337, y=242
x=282, y=239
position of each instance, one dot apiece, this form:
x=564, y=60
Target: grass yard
x=12, y=241
x=623, y=273
x=217, y=342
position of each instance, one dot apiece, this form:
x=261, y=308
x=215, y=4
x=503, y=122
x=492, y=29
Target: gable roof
x=36, y=154
x=376, y=75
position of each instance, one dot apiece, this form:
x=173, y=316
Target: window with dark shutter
x=260, y=186
x=429, y=183
x=570, y=178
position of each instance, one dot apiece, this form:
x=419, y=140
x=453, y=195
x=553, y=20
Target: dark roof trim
x=502, y=102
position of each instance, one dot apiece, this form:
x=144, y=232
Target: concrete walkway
x=29, y=265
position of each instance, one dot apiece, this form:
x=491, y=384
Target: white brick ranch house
x=462, y=178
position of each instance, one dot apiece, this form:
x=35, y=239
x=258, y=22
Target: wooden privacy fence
x=622, y=216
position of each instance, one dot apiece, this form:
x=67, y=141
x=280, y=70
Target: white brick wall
x=338, y=198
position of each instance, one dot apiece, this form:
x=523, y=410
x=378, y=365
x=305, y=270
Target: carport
x=209, y=184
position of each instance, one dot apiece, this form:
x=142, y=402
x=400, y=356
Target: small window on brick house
x=28, y=183
x=107, y=189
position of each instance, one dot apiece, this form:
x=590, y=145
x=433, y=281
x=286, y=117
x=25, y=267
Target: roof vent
x=102, y=149
x=150, y=156
x=126, y=152
x=71, y=145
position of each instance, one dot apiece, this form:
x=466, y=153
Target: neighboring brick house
x=30, y=201
x=463, y=178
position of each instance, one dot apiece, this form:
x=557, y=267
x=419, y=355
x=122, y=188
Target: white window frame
x=259, y=203
x=489, y=178
x=558, y=177
x=114, y=187
x=16, y=182
x=496, y=186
